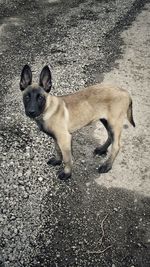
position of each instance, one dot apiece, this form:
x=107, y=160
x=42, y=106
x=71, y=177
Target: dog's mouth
x=33, y=115
x=38, y=117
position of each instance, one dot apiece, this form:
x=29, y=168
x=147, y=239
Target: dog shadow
x=85, y=224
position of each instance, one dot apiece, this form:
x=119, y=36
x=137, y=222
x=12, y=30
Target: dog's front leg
x=56, y=160
x=64, y=142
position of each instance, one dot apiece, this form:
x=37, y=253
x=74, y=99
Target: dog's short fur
x=60, y=116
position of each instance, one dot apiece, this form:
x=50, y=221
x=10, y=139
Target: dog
x=60, y=116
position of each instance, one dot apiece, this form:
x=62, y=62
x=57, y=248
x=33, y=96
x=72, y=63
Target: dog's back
x=94, y=103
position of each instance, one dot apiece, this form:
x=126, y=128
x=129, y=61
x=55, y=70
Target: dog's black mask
x=34, y=102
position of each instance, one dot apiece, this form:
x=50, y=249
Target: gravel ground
x=43, y=221
x=132, y=72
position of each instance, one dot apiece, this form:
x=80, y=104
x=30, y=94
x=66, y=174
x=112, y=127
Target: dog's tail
x=130, y=113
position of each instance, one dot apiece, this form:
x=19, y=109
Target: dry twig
x=99, y=251
x=101, y=240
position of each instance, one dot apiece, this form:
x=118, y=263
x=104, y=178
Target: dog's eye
x=40, y=97
x=27, y=97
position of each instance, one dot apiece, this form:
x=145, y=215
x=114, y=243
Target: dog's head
x=35, y=95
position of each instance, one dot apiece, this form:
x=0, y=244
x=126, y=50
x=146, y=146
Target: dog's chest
x=42, y=128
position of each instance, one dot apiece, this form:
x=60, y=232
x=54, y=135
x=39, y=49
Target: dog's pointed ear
x=46, y=79
x=26, y=77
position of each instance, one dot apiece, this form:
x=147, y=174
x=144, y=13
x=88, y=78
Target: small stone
x=15, y=230
x=13, y=217
x=115, y=209
x=27, y=155
x=40, y=179
x=28, y=173
x=26, y=195
x=20, y=182
x=19, y=174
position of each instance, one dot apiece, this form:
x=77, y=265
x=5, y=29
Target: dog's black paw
x=100, y=151
x=63, y=176
x=54, y=162
x=105, y=167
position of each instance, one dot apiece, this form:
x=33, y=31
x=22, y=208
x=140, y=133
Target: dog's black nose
x=32, y=113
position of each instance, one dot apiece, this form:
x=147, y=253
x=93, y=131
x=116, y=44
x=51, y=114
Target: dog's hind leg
x=103, y=149
x=107, y=165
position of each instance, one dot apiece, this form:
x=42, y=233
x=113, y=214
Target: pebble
x=20, y=182
x=13, y=217
x=19, y=174
x=15, y=230
x=40, y=179
x=115, y=209
x=26, y=195
x=28, y=173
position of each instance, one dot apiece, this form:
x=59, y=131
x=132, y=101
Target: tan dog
x=60, y=116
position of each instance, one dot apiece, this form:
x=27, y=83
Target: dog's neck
x=52, y=103
x=51, y=106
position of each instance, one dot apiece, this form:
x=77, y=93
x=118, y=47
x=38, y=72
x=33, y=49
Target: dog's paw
x=63, y=176
x=54, y=162
x=100, y=151
x=105, y=167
